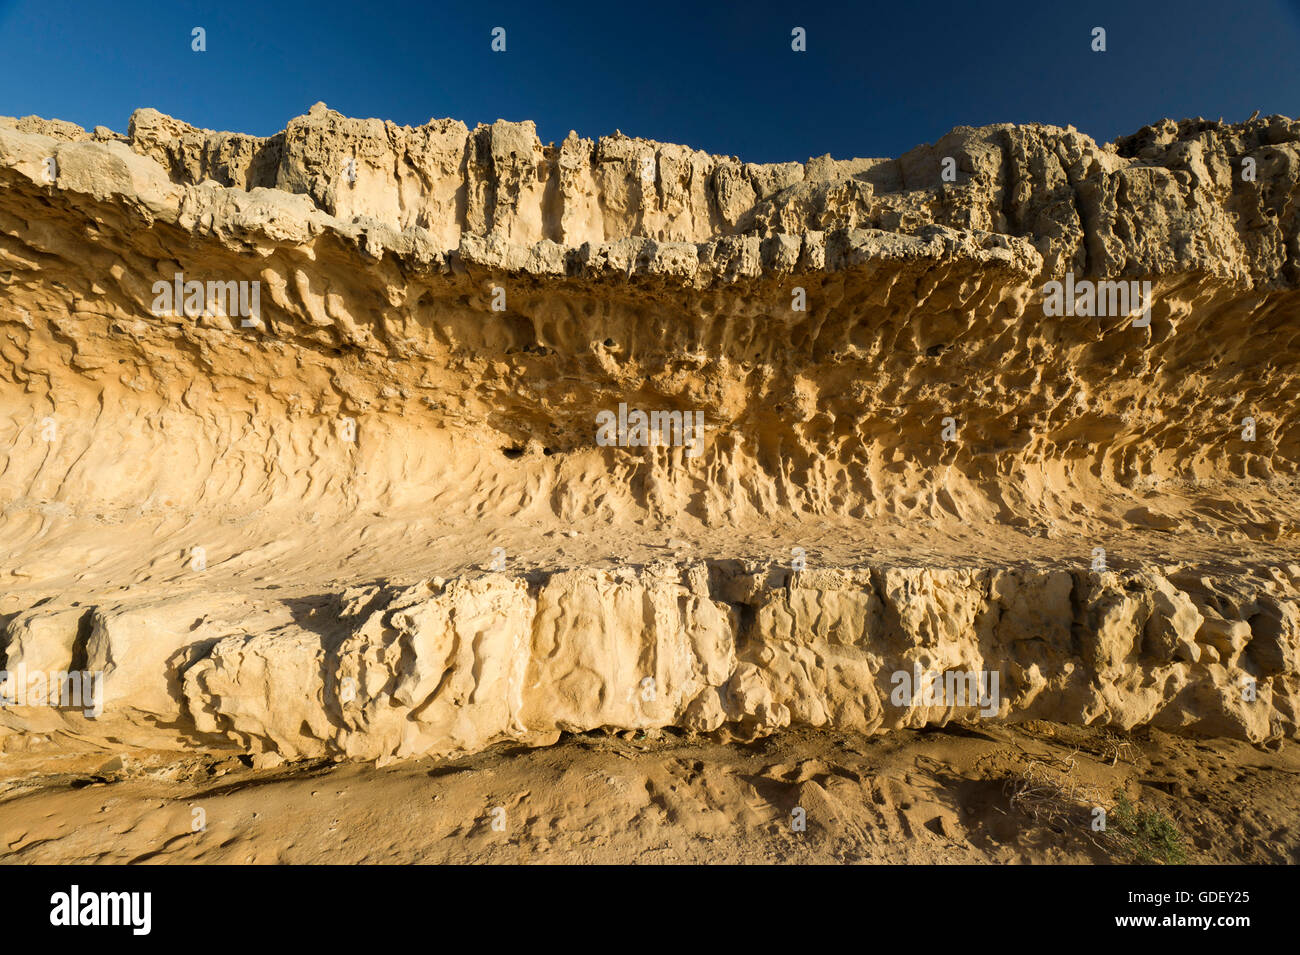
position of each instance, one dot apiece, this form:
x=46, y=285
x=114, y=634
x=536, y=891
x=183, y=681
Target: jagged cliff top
x=1171, y=199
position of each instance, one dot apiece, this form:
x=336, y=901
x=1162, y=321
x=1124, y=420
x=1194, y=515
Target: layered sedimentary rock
x=274, y=530
x=442, y=666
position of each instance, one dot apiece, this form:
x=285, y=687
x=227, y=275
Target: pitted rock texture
x=913, y=315
x=444, y=313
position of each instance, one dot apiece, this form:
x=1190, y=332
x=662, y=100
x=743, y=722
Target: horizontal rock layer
x=442, y=667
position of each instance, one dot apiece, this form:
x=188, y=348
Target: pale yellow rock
x=905, y=465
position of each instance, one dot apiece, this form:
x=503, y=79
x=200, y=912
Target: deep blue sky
x=877, y=78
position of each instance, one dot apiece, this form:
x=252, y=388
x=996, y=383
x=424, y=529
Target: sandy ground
x=954, y=795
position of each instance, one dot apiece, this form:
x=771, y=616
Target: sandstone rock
x=444, y=312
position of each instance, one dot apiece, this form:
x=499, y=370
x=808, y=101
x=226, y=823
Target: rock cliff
x=363, y=507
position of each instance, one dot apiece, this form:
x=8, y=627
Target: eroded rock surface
x=444, y=667
x=275, y=534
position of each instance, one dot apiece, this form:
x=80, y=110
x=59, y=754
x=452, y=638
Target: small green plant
x=1148, y=835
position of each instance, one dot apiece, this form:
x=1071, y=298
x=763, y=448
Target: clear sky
x=876, y=79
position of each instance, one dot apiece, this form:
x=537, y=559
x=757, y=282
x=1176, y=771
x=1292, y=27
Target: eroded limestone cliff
x=376, y=519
